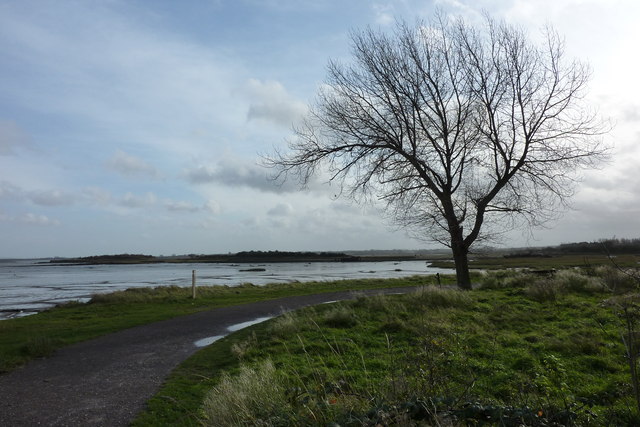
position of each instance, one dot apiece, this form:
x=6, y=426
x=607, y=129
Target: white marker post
x=193, y=284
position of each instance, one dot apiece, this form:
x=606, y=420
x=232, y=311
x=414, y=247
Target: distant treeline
x=614, y=246
x=602, y=246
x=275, y=256
x=240, y=257
x=109, y=259
x=285, y=254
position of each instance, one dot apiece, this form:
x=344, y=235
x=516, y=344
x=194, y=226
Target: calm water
x=28, y=286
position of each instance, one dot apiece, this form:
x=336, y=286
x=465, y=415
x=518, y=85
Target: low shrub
x=545, y=289
x=617, y=280
x=575, y=281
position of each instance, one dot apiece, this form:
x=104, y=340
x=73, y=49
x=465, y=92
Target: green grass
x=542, y=263
x=435, y=356
x=39, y=335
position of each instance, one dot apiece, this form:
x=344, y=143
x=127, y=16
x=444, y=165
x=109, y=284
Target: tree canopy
x=463, y=131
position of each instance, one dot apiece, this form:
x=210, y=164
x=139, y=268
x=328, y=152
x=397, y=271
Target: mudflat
x=106, y=381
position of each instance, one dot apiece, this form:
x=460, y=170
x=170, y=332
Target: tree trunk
x=461, y=260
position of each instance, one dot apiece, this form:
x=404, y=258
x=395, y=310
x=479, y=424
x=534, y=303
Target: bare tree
x=462, y=131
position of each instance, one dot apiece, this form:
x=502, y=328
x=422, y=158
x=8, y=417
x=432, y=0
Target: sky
x=137, y=126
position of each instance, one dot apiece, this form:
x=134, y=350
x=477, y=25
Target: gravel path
x=106, y=381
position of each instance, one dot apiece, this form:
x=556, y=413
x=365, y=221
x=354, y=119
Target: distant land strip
x=240, y=257
x=439, y=257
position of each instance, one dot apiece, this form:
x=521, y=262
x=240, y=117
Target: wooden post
x=193, y=284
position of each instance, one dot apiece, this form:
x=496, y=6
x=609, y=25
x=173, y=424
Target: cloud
x=11, y=137
x=29, y=218
x=180, y=206
x=9, y=191
x=150, y=201
x=131, y=166
x=130, y=200
x=630, y=113
x=384, y=13
x=96, y=195
x=213, y=207
x=12, y=192
x=271, y=102
x=51, y=198
x=235, y=174
x=34, y=219
x=281, y=210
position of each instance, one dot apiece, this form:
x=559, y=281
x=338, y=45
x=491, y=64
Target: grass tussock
x=542, y=290
x=254, y=396
x=572, y=280
x=435, y=298
x=286, y=324
x=339, y=316
x=500, y=279
x=39, y=347
x=241, y=349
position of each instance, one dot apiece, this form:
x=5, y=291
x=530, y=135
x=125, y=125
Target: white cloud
x=97, y=195
x=131, y=200
x=51, y=198
x=131, y=166
x=29, y=218
x=270, y=101
x=384, y=13
x=213, y=207
x=35, y=219
x=48, y=197
x=281, y=210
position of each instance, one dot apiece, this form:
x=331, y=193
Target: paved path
x=106, y=381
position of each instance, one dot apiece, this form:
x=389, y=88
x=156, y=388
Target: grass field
x=543, y=262
x=39, y=335
x=523, y=350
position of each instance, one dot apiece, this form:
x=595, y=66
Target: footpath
x=106, y=381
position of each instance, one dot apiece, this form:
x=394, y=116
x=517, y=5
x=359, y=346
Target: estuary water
x=29, y=286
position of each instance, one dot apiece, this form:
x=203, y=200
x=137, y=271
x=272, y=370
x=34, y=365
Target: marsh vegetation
x=520, y=350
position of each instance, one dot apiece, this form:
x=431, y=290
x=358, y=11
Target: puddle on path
x=243, y=325
x=208, y=340
x=233, y=328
